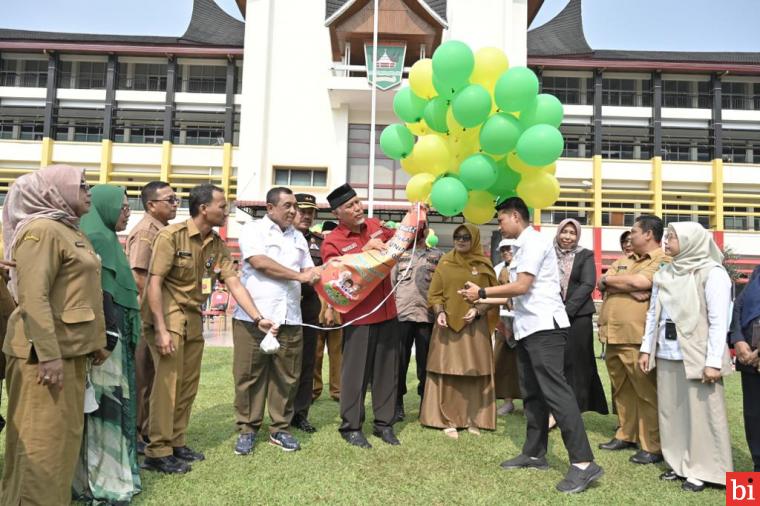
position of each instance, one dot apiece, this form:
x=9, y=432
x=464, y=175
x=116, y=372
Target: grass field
x=427, y=468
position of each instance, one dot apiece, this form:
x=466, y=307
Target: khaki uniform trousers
x=175, y=386
x=334, y=341
x=144, y=374
x=635, y=397
x=44, y=434
x=263, y=380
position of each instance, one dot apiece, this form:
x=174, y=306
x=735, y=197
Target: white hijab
x=676, y=284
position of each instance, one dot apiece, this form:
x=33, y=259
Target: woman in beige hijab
x=686, y=331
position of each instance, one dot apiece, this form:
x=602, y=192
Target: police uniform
x=60, y=316
x=310, y=309
x=139, y=248
x=188, y=264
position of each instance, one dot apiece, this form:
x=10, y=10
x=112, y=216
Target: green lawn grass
x=428, y=468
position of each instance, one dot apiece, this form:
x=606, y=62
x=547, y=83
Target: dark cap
x=306, y=201
x=340, y=196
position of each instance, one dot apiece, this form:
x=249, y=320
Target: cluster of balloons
x=483, y=133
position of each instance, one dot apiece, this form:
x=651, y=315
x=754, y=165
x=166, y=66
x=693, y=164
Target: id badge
x=206, y=285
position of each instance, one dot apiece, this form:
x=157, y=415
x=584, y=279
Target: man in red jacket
x=371, y=343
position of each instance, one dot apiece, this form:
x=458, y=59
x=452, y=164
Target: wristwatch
x=482, y=294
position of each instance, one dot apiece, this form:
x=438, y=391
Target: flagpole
x=372, y=121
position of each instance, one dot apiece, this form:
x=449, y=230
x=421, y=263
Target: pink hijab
x=46, y=193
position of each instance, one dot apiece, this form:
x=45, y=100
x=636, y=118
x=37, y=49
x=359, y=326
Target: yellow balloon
x=490, y=64
x=518, y=165
x=421, y=78
x=480, y=207
x=410, y=166
x=539, y=191
x=419, y=187
x=419, y=128
x=431, y=154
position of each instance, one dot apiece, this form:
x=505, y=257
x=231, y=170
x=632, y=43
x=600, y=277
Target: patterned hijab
x=566, y=257
x=49, y=193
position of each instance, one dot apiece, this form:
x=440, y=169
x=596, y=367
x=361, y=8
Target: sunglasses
x=463, y=238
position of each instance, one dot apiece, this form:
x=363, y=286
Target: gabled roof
x=563, y=37
x=209, y=26
x=332, y=7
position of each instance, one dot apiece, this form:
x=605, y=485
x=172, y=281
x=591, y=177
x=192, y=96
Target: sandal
x=451, y=432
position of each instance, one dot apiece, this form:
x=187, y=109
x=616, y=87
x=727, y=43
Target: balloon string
x=382, y=302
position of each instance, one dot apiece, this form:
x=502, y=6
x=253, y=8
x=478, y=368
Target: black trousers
x=751, y=396
x=306, y=380
x=417, y=334
x=540, y=363
x=370, y=355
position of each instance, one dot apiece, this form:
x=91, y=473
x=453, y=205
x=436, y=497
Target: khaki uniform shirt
x=183, y=259
x=622, y=318
x=140, y=242
x=60, y=300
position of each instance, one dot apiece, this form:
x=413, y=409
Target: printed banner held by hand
x=348, y=279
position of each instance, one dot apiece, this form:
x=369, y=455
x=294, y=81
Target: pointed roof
x=563, y=37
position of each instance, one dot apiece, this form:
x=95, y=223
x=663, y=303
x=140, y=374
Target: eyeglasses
x=170, y=200
x=463, y=238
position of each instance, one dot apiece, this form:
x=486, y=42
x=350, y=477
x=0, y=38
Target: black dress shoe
x=301, y=423
x=356, y=438
x=691, y=487
x=669, y=475
x=387, y=435
x=643, y=457
x=168, y=465
x=188, y=455
x=615, y=444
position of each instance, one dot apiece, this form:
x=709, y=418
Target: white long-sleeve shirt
x=718, y=300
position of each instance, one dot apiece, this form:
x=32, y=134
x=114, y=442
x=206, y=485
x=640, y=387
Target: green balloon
x=471, y=105
x=516, y=89
x=540, y=145
x=408, y=106
x=435, y=114
x=499, y=134
x=478, y=171
x=449, y=196
x=396, y=141
x=545, y=109
x=506, y=181
x=453, y=62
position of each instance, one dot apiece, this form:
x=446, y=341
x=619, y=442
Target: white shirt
x=277, y=299
x=541, y=305
x=718, y=302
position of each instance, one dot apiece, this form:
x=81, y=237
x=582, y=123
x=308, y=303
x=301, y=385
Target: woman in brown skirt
x=459, y=390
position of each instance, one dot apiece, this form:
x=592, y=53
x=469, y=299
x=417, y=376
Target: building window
x=203, y=79
x=291, y=176
x=569, y=90
x=84, y=75
x=390, y=178
x=627, y=92
x=142, y=76
x=686, y=94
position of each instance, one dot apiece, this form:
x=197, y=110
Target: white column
x=254, y=111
